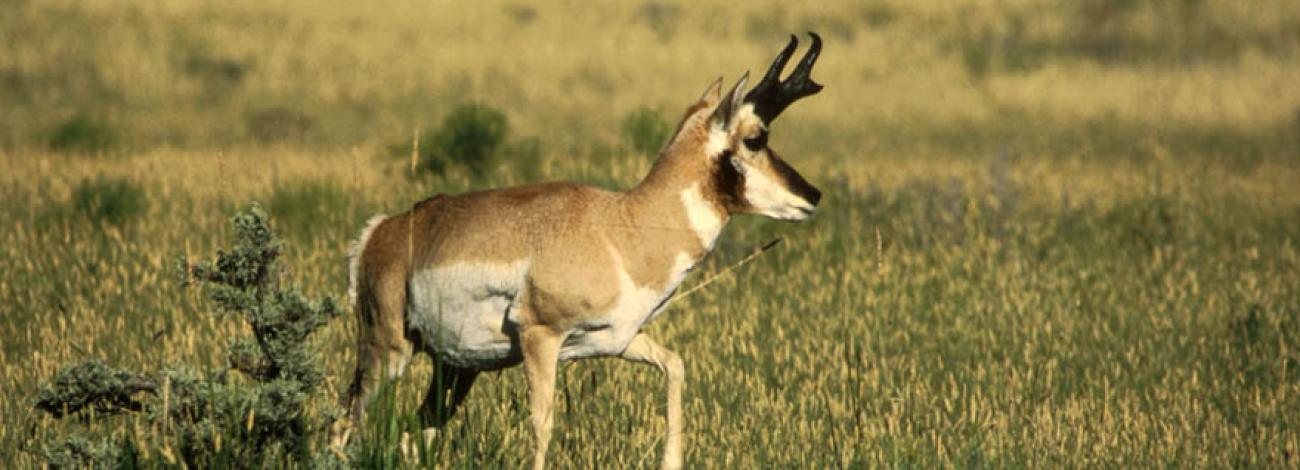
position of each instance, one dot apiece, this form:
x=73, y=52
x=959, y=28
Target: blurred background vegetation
x=118, y=76
x=1055, y=232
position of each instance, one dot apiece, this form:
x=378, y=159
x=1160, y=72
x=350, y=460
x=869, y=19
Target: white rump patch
x=354, y=255
x=702, y=215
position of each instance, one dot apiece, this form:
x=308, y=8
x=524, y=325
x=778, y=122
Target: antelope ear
x=731, y=103
x=713, y=93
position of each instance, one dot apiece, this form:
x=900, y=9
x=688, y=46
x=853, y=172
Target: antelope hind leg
x=447, y=390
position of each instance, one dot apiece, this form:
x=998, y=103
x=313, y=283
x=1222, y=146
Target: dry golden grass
x=1085, y=257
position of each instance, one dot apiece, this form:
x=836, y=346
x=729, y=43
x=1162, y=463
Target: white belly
x=467, y=314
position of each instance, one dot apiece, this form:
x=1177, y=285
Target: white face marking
x=462, y=310
x=702, y=215
x=763, y=192
x=354, y=255
x=745, y=114
x=636, y=305
x=770, y=198
x=720, y=134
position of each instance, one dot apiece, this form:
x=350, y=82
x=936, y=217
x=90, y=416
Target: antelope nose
x=814, y=196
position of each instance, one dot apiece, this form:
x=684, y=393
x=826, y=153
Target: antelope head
x=753, y=178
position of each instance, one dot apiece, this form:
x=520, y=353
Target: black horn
x=771, y=96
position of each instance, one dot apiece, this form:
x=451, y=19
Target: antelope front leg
x=541, y=349
x=643, y=349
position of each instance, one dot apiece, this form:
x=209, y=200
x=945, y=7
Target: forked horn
x=771, y=96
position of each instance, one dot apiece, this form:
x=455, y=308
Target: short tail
x=354, y=256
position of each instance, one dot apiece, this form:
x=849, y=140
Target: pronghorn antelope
x=553, y=272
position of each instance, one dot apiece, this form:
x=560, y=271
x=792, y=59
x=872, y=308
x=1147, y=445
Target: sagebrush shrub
x=472, y=136
x=218, y=418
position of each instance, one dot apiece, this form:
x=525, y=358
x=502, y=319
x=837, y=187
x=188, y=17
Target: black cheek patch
x=729, y=183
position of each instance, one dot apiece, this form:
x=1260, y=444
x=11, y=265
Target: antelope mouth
x=798, y=213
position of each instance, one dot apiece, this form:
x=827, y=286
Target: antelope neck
x=676, y=196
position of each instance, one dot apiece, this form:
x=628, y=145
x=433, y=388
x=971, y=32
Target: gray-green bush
x=471, y=136
x=219, y=419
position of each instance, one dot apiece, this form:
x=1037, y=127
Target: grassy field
x=1055, y=234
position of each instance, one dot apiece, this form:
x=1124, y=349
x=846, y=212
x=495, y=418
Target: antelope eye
x=757, y=142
